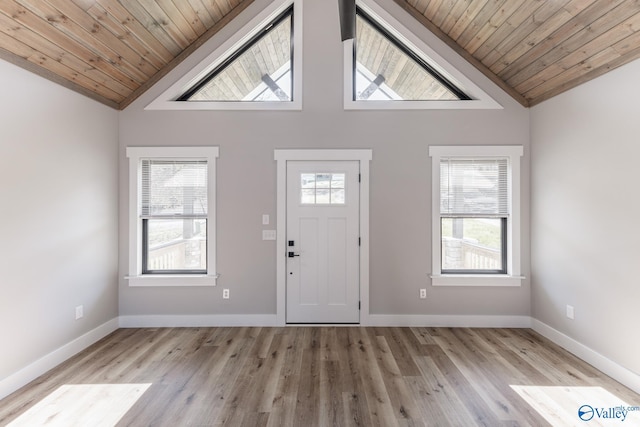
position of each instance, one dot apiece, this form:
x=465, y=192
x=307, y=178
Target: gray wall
x=400, y=180
x=585, y=211
x=58, y=216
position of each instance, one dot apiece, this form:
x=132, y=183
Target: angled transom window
x=260, y=70
x=385, y=69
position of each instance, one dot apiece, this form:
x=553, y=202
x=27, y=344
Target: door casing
x=364, y=156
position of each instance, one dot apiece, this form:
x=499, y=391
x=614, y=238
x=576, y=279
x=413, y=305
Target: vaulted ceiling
x=114, y=50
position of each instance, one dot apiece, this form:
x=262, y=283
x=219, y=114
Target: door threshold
x=323, y=324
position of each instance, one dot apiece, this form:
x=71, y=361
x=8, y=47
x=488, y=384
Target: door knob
x=291, y=254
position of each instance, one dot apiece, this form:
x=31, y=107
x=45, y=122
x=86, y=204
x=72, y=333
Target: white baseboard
x=453, y=321
x=205, y=320
x=32, y=371
x=600, y=362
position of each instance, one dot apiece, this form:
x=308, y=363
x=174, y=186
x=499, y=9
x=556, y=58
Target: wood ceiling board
x=552, y=43
x=185, y=53
x=76, y=36
x=463, y=53
x=584, y=27
x=135, y=27
x=514, y=21
x=158, y=16
x=514, y=40
x=102, y=16
x=20, y=54
x=496, y=21
x=611, y=38
x=465, y=19
x=590, y=75
x=52, y=51
x=454, y=15
x=565, y=78
x=104, y=36
x=116, y=49
x=479, y=21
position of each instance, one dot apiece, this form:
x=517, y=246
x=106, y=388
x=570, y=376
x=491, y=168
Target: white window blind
x=174, y=188
x=474, y=187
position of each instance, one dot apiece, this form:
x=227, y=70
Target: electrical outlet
x=225, y=294
x=79, y=312
x=265, y=219
x=423, y=293
x=570, y=313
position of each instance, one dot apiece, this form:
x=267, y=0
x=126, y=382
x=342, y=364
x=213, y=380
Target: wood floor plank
x=319, y=376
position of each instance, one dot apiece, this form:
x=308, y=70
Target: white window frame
x=136, y=155
x=167, y=100
x=512, y=277
x=479, y=98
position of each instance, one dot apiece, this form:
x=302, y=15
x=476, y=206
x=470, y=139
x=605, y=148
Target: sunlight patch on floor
x=579, y=406
x=83, y=405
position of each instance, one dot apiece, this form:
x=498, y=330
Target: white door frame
x=364, y=156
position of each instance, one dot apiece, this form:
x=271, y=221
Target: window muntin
x=386, y=69
x=323, y=188
x=259, y=71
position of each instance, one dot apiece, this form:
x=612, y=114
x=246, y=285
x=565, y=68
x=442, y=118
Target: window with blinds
x=173, y=210
x=474, y=209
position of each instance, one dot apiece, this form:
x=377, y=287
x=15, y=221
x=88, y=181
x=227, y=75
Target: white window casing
x=168, y=99
x=512, y=277
x=136, y=155
x=479, y=98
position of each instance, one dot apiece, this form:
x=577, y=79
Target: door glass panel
x=308, y=180
x=337, y=197
x=308, y=197
x=322, y=188
x=323, y=180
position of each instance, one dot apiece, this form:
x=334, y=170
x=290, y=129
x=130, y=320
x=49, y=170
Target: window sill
x=173, y=280
x=499, y=280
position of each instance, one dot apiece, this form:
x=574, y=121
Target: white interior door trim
x=364, y=156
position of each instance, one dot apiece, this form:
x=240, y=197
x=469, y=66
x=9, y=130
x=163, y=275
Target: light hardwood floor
x=318, y=376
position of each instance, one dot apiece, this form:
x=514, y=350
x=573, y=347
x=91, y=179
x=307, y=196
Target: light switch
x=265, y=219
x=268, y=234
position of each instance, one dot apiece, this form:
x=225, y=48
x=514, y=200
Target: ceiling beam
x=185, y=53
x=460, y=51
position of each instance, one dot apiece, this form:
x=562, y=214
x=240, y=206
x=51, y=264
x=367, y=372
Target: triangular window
x=259, y=70
x=386, y=69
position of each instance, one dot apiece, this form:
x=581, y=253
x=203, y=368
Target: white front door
x=323, y=199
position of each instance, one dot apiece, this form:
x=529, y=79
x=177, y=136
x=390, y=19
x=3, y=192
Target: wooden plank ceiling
x=113, y=50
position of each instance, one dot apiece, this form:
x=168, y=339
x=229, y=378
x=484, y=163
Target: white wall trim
x=32, y=371
x=204, y=320
x=449, y=321
x=600, y=362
